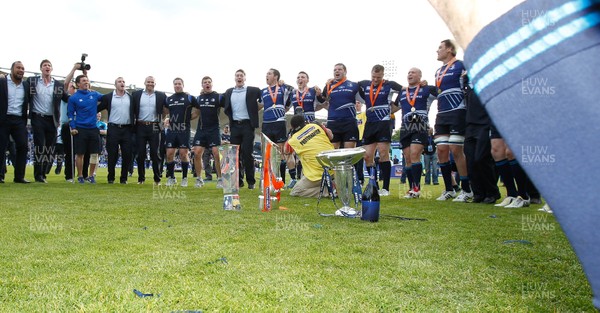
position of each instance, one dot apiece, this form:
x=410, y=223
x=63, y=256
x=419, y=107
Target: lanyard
x=301, y=98
x=374, y=98
x=438, y=77
x=274, y=96
x=329, y=90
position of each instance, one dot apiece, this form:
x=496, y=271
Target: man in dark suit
x=241, y=105
x=14, y=97
x=120, y=128
x=147, y=108
x=45, y=95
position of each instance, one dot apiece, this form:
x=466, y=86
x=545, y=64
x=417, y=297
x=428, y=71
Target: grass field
x=85, y=248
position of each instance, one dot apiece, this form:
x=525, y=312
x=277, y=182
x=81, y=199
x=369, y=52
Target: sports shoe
x=80, y=180
x=446, y=195
x=546, y=208
x=220, y=182
x=171, y=182
x=91, y=179
x=464, y=197
x=412, y=194
x=292, y=184
x=199, y=182
x=518, y=203
x=535, y=200
x=508, y=200
x=184, y=182
x=384, y=193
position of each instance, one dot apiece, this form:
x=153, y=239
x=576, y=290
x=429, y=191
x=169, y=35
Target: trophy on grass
x=230, y=174
x=271, y=183
x=346, y=183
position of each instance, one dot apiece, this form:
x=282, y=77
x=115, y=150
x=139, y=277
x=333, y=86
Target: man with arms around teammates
x=276, y=101
x=148, y=108
x=377, y=134
x=414, y=101
x=240, y=104
x=339, y=96
x=450, y=121
x=208, y=133
x=179, y=107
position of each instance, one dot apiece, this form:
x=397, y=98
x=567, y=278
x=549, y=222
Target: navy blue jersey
x=209, y=105
x=422, y=102
x=341, y=100
x=275, y=112
x=380, y=110
x=307, y=101
x=180, y=111
x=449, y=85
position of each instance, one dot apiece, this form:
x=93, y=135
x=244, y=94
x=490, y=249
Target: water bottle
x=370, y=200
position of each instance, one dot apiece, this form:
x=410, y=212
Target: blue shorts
x=176, y=140
x=344, y=130
x=275, y=131
x=377, y=132
x=451, y=123
x=208, y=138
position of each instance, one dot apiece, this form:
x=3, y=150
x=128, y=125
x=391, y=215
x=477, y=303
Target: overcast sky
x=193, y=39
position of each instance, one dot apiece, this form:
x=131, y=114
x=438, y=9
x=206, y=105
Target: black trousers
x=480, y=164
x=44, y=138
x=65, y=134
x=118, y=138
x=16, y=127
x=242, y=133
x=148, y=135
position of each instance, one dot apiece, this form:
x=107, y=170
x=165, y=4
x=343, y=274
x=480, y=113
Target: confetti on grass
x=220, y=260
x=144, y=295
x=525, y=242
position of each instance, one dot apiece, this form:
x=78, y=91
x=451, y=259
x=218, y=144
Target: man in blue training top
x=81, y=111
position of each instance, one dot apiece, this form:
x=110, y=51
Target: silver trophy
x=230, y=175
x=342, y=162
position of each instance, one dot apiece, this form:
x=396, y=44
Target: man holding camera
x=414, y=101
x=82, y=110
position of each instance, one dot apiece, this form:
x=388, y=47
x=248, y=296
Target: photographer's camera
x=84, y=66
